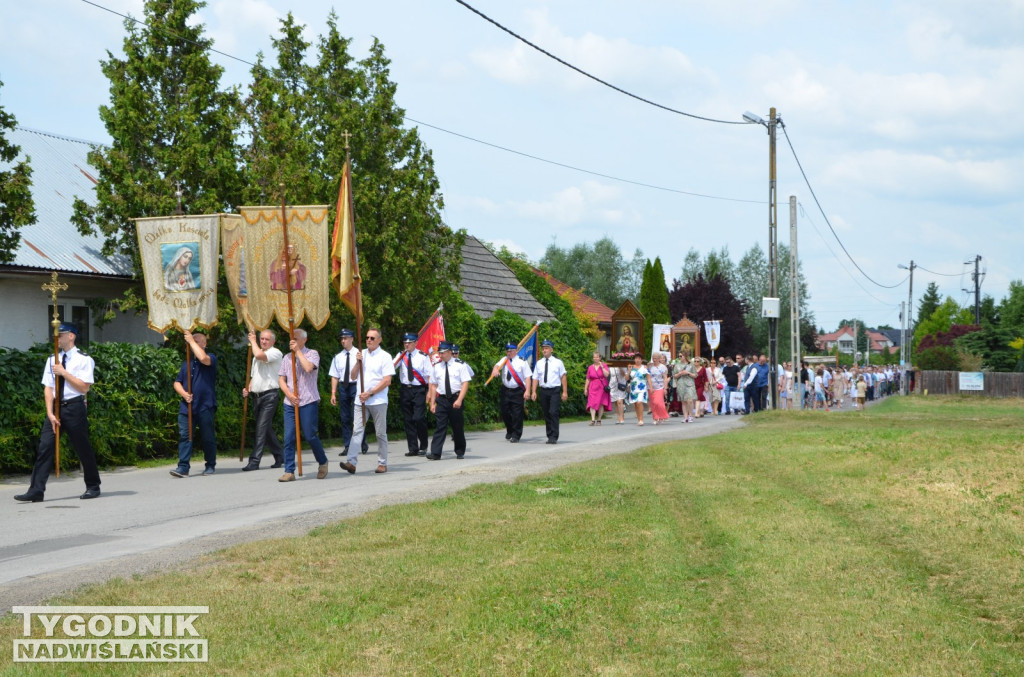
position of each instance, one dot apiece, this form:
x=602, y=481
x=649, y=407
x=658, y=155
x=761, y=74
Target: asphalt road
x=147, y=521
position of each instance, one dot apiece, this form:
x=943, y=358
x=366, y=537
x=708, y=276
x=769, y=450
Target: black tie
x=447, y=382
x=508, y=373
x=546, y=362
x=348, y=371
x=60, y=383
x=408, y=368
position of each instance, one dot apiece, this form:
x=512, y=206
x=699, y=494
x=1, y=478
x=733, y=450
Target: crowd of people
x=687, y=387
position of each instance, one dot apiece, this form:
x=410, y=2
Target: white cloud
x=589, y=202
x=236, y=25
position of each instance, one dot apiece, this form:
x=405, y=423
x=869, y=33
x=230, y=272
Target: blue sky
x=908, y=118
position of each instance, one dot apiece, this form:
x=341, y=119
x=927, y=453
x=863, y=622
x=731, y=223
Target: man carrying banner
x=343, y=387
x=550, y=377
x=203, y=398
x=516, y=382
x=266, y=364
x=307, y=398
x=75, y=371
x=374, y=370
x=448, y=387
x=413, y=374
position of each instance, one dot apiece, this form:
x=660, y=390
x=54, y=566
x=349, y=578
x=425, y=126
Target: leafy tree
x=929, y=303
x=16, y=207
x=1011, y=309
x=598, y=269
x=715, y=263
x=712, y=299
x=938, y=358
x=992, y=344
x=172, y=128
x=944, y=317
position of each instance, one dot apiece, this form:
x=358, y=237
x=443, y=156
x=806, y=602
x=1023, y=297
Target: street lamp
x=773, y=260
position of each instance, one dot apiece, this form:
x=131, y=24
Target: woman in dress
x=784, y=378
x=700, y=380
x=598, y=397
x=618, y=382
x=639, y=387
x=659, y=381
x=684, y=373
x=714, y=380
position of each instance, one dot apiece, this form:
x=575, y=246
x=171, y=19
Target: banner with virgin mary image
x=179, y=267
x=272, y=269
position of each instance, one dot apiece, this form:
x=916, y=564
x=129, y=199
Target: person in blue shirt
x=203, y=397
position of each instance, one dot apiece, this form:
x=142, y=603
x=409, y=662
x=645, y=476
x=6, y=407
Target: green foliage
x=939, y=358
x=599, y=270
x=654, y=301
x=992, y=345
x=945, y=316
x=1011, y=309
x=929, y=303
x=16, y=206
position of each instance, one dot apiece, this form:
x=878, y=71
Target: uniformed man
x=414, y=378
x=343, y=387
x=75, y=372
x=516, y=382
x=455, y=356
x=549, y=377
x=448, y=385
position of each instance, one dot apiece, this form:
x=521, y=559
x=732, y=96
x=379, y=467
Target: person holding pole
x=374, y=370
x=67, y=380
x=413, y=376
x=516, y=381
x=305, y=397
x=263, y=387
x=196, y=386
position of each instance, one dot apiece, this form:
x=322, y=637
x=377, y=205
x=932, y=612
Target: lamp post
x=770, y=124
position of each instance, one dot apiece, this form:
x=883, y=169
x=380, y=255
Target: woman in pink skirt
x=598, y=399
x=659, y=380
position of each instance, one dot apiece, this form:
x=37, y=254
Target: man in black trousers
x=448, y=385
x=550, y=377
x=65, y=380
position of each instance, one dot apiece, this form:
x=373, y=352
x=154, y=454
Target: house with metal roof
x=61, y=173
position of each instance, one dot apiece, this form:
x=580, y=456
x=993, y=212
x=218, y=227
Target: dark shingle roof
x=488, y=284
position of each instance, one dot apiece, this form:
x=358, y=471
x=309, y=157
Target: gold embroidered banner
x=232, y=244
x=270, y=270
x=179, y=267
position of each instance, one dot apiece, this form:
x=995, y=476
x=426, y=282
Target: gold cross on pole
x=346, y=135
x=53, y=287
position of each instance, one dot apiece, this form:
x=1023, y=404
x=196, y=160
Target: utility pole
x=977, y=290
x=794, y=300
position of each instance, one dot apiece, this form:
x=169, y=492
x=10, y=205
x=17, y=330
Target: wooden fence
x=997, y=384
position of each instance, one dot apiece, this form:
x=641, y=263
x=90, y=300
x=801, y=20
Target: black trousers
x=551, y=405
x=447, y=415
x=74, y=421
x=413, y=402
x=511, y=407
x=264, y=407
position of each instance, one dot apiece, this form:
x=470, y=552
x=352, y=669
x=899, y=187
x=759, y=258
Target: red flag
x=344, y=257
x=431, y=334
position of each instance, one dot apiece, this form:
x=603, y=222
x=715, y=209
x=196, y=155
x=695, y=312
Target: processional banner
x=270, y=268
x=180, y=269
x=713, y=330
x=232, y=245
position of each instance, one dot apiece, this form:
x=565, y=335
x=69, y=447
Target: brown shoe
x=381, y=469
x=287, y=477
x=321, y=471
x=345, y=465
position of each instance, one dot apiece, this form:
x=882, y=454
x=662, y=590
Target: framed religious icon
x=627, y=333
x=685, y=337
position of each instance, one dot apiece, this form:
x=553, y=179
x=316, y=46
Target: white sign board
x=972, y=380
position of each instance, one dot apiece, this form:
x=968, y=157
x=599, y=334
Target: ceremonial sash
x=416, y=374
x=515, y=376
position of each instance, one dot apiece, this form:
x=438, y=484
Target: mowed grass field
x=884, y=542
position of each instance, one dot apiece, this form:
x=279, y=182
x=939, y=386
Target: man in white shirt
x=549, y=376
x=66, y=380
x=343, y=387
x=263, y=386
x=373, y=371
x=414, y=379
x=448, y=386
x=516, y=382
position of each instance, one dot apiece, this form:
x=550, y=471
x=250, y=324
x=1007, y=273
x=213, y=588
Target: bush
x=938, y=358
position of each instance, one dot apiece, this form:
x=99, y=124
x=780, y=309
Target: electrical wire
x=960, y=274
x=593, y=77
x=824, y=216
x=580, y=169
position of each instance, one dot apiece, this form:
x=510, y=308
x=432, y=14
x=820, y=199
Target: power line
x=960, y=274
x=588, y=75
x=824, y=216
x=580, y=169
